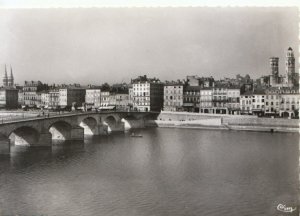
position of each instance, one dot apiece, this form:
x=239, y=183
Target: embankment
x=224, y=122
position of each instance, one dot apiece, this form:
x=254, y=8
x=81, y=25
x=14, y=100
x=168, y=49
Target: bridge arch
x=60, y=130
x=24, y=135
x=90, y=126
x=111, y=123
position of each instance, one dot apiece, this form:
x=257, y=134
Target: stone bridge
x=40, y=131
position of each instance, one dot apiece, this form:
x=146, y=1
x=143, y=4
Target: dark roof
x=247, y=93
x=259, y=91
x=189, y=88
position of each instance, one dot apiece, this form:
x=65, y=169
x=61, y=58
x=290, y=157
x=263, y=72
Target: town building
x=220, y=100
x=45, y=99
x=289, y=102
x=233, y=100
x=21, y=97
x=53, y=99
x=119, y=101
x=206, y=100
x=204, y=82
x=173, y=96
x=258, y=102
x=246, y=103
x=8, y=98
x=148, y=94
x=71, y=97
x=32, y=95
x=93, y=97
x=272, y=101
x=191, y=98
x=105, y=98
x=130, y=97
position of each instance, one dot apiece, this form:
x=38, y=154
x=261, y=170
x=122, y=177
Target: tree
x=105, y=87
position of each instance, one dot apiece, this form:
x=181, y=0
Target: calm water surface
x=167, y=172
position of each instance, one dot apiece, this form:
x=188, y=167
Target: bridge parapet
x=39, y=131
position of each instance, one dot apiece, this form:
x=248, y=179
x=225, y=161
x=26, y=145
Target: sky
x=97, y=45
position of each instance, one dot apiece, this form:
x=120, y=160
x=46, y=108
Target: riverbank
x=224, y=122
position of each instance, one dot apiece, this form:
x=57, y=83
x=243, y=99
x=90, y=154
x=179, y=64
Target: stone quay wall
x=225, y=122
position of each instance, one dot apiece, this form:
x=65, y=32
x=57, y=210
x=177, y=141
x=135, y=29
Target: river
x=168, y=171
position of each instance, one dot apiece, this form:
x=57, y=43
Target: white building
x=45, y=99
x=93, y=97
x=147, y=94
x=206, y=97
x=246, y=103
x=258, y=102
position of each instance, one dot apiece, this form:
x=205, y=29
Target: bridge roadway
x=40, y=131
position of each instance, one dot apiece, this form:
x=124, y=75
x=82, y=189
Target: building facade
x=71, y=96
x=45, y=99
x=8, y=98
x=233, y=100
x=93, y=97
x=31, y=89
x=220, y=100
x=191, y=99
x=105, y=98
x=272, y=102
x=258, y=102
x=148, y=94
x=289, y=103
x=246, y=103
x=119, y=101
x=206, y=100
x=173, y=96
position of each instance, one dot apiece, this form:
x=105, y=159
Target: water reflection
x=166, y=172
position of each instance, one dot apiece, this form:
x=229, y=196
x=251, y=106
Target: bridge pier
x=45, y=139
x=105, y=128
x=77, y=133
x=4, y=146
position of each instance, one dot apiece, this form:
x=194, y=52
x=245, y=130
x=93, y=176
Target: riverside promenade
x=224, y=122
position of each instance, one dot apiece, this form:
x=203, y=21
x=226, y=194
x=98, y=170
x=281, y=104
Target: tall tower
x=274, y=63
x=290, y=66
x=5, y=78
x=10, y=80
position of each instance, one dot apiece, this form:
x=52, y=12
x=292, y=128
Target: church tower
x=290, y=66
x=10, y=80
x=5, y=78
x=274, y=63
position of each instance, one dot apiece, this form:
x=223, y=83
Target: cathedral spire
x=5, y=75
x=5, y=78
x=10, y=80
x=11, y=73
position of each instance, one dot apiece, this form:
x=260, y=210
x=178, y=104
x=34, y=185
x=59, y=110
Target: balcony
x=220, y=100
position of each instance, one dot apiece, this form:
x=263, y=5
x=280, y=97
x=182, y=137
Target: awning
x=107, y=107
